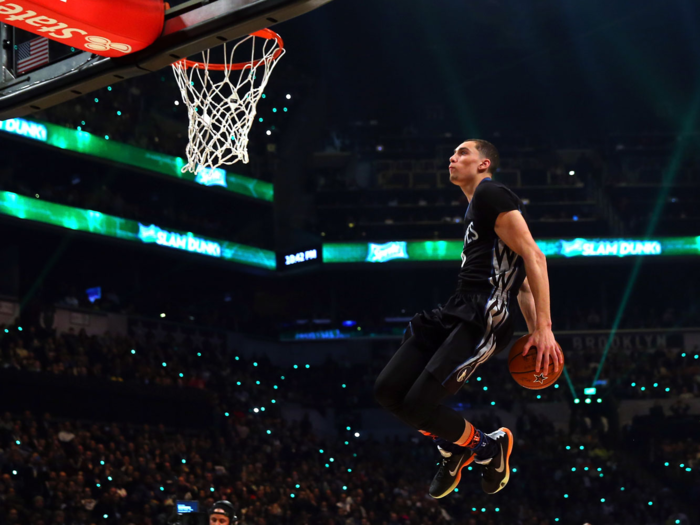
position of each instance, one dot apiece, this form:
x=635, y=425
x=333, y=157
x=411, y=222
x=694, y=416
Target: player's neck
x=470, y=187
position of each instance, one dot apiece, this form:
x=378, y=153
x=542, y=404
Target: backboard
x=190, y=27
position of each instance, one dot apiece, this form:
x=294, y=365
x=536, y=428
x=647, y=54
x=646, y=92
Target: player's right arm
x=527, y=306
x=513, y=231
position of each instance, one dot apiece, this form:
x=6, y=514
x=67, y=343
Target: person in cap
x=222, y=513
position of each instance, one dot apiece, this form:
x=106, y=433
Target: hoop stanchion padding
x=105, y=27
x=221, y=99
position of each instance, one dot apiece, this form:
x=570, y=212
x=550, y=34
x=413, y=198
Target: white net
x=221, y=100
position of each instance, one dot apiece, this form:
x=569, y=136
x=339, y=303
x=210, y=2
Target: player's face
x=218, y=519
x=466, y=164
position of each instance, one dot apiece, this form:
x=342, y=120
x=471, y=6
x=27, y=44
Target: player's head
x=222, y=513
x=473, y=158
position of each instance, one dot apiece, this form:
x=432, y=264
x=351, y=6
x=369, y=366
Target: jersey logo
x=469, y=237
x=471, y=234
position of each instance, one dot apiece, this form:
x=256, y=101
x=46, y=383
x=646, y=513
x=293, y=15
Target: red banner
x=105, y=27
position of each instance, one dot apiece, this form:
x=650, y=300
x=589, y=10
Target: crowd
x=274, y=471
x=576, y=318
x=667, y=373
x=665, y=440
x=656, y=373
x=184, y=364
x=51, y=470
x=640, y=374
x=679, y=462
x=277, y=472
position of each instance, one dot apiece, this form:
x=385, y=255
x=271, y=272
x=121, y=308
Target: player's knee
x=417, y=417
x=386, y=395
x=417, y=412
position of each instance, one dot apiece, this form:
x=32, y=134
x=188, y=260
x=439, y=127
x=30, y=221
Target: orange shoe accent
x=507, y=459
x=425, y=433
x=458, y=477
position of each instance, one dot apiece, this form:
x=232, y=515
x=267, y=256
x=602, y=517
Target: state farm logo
x=99, y=43
x=16, y=15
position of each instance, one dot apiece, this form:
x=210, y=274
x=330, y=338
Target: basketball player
x=441, y=349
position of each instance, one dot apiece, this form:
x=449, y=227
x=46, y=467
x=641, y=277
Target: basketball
x=523, y=368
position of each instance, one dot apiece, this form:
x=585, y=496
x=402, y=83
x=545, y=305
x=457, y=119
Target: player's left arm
x=512, y=229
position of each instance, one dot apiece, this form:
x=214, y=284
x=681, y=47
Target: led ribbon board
x=553, y=249
x=103, y=148
x=387, y=332
x=386, y=252
x=107, y=225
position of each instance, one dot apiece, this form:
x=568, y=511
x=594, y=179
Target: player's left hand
x=547, y=349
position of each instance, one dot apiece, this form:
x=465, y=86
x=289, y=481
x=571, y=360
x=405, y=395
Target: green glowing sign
x=607, y=248
x=89, y=144
x=101, y=224
x=552, y=248
x=620, y=247
x=24, y=128
x=187, y=242
x=386, y=252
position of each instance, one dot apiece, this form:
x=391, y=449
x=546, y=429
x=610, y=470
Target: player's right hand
x=547, y=349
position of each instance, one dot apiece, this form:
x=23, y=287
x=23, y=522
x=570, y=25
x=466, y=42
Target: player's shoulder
x=490, y=187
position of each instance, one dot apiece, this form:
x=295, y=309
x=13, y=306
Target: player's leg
x=417, y=379
x=400, y=373
x=458, y=357
x=409, y=388
x=424, y=334
x=415, y=396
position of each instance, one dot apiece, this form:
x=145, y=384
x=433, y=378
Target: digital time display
x=296, y=258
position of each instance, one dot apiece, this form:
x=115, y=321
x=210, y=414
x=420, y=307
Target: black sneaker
x=450, y=472
x=496, y=470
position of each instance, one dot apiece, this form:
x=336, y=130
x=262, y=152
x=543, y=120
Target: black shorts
x=462, y=334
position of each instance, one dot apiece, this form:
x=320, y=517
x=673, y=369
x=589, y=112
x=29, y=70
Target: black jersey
x=488, y=265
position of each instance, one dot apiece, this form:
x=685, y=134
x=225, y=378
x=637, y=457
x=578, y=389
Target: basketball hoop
x=222, y=107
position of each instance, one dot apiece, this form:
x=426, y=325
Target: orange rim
x=267, y=34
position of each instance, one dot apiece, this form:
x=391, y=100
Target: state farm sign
x=105, y=28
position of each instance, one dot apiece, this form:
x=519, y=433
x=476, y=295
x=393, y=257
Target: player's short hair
x=488, y=151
